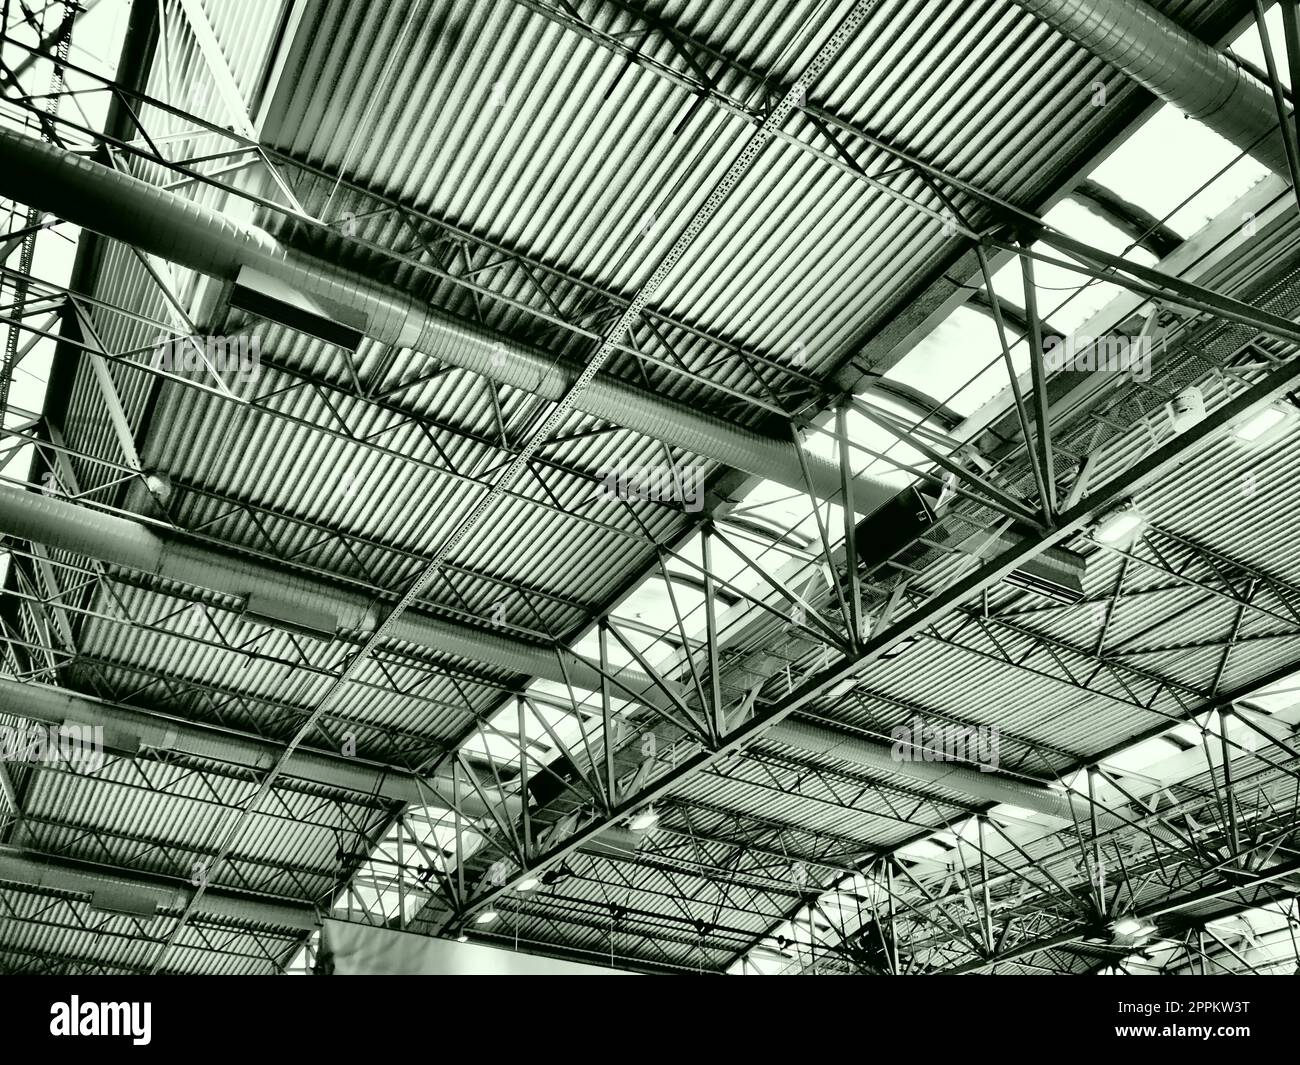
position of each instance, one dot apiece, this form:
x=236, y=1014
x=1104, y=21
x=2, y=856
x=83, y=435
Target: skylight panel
x=502, y=749
x=1249, y=46
x=1005, y=811
x=1172, y=159
x=499, y=736
x=545, y=720
x=1076, y=220
x=727, y=564
x=1276, y=697
x=838, y=906
x=1142, y=756
x=956, y=363
x=1066, y=297
x=1074, y=783
x=424, y=833
x=1190, y=732
x=761, y=961
x=1163, y=164
x=924, y=850
x=557, y=694
x=651, y=604
x=436, y=829
x=881, y=446
x=968, y=831
x=783, y=510
x=655, y=650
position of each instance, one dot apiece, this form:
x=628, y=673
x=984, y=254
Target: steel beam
x=1105, y=496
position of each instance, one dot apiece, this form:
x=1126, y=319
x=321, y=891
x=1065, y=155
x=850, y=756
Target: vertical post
x=1233, y=835
x=607, y=716
x=523, y=781
x=164, y=53
x=460, y=842
x=850, y=522
x=1038, y=371
x=401, y=875
x=797, y=437
x=1279, y=100
x=11, y=796
x=1097, y=878
x=984, y=887
x=995, y=308
x=711, y=628
x=812, y=937
x=893, y=929
x=1291, y=32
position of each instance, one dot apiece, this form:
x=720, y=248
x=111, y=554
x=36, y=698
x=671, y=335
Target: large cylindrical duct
x=955, y=776
x=1183, y=71
x=128, y=730
x=48, y=874
x=134, y=546
x=160, y=222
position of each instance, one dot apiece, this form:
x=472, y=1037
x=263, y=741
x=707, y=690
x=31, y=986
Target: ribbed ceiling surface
x=500, y=121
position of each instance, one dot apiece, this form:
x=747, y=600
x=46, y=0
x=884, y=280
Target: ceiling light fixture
x=894, y=650
x=528, y=883
x=1122, y=525
x=1261, y=425
x=1132, y=928
x=644, y=820
x=1187, y=408
x=486, y=917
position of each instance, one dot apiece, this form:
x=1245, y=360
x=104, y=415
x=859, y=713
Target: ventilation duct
x=1056, y=574
x=267, y=298
x=118, y=541
x=898, y=531
x=992, y=787
x=114, y=540
x=120, y=900
x=18, y=867
x=1177, y=67
x=617, y=841
x=134, y=546
x=129, y=731
x=162, y=223
x=893, y=526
